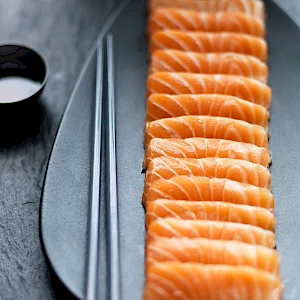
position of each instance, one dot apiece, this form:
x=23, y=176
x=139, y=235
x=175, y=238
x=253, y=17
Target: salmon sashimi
x=208, y=63
x=194, y=281
x=209, y=189
x=214, y=211
x=248, y=7
x=160, y=106
x=238, y=170
x=214, y=230
x=201, y=148
x=201, y=41
x=213, y=252
x=189, y=83
x=188, y=20
x=206, y=127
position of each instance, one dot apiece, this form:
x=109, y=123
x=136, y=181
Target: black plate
x=66, y=190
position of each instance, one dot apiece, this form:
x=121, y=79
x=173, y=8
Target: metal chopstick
x=92, y=264
x=113, y=221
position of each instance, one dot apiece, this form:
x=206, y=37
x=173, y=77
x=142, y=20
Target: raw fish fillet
x=248, y=7
x=201, y=41
x=208, y=189
x=194, y=281
x=214, y=230
x=212, y=252
x=229, y=63
x=160, y=106
x=234, y=169
x=188, y=20
x=190, y=83
x=201, y=148
x=206, y=127
x=214, y=211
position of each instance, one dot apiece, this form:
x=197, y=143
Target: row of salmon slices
x=209, y=207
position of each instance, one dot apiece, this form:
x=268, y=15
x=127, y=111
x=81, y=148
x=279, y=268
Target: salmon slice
x=248, y=7
x=201, y=41
x=201, y=148
x=208, y=63
x=209, y=189
x=214, y=211
x=189, y=83
x=214, y=230
x=160, y=106
x=188, y=20
x=212, y=252
x=194, y=281
x=206, y=127
x=213, y=167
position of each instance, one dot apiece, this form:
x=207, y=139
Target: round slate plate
x=66, y=192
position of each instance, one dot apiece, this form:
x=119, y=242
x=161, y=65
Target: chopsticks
x=94, y=214
x=104, y=87
x=112, y=205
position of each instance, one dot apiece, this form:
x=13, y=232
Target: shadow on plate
x=59, y=290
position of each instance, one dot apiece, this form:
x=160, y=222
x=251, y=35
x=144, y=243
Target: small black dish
x=21, y=67
x=23, y=76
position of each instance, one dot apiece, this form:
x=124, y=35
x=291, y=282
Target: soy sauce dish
x=23, y=75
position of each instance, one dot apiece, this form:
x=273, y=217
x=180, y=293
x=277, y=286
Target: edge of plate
x=108, y=23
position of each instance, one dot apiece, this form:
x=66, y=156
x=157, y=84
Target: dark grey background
x=64, y=31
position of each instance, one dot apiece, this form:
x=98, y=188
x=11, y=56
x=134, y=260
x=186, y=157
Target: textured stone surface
x=64, y=31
